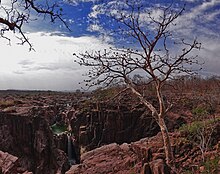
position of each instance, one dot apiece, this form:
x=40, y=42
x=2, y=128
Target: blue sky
x=52, y=65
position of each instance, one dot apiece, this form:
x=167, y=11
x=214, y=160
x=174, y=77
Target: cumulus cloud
x=51, y=66
x=200, y=19
x=210, y=53
x=197, y=19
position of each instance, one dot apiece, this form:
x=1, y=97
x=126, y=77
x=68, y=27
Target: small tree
x=154, y=59
x=15, y=13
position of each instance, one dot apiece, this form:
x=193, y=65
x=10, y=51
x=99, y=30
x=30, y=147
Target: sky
x=51, y=66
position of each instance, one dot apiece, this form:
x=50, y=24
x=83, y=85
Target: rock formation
x=9, y=164
x=146, y=156
x=138, y=157
x=31, y=140
x=120, y=123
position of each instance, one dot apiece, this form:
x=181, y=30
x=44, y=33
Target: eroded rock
x=31, y=140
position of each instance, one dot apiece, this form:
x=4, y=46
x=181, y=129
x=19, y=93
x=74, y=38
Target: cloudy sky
x=51, y=66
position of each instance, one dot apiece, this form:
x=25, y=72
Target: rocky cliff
x=120, y=123
x=9, y=164
x=31, y=140
x=146, y=156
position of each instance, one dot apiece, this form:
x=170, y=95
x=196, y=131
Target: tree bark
x=160, y=121
x=166, y=140
x=11, y=25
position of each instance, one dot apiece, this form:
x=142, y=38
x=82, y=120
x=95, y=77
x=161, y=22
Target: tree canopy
x=148, y=49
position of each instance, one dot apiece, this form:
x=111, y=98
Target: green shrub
x=192, y=128
x=211, y=165
x=200, y=111
x=196, y=126
x=200, y=133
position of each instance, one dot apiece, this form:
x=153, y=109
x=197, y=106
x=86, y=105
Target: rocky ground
x=117, y=135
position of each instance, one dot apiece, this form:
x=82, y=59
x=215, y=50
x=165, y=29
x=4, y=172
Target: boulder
x=121, y=159
x=9, y=164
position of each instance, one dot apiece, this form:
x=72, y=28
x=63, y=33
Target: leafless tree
x=15, y=13
x=154, y=59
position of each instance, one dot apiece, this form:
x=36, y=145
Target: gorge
x=41, y=134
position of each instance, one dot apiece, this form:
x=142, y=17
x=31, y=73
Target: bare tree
x=154, y=59
x=15, y=13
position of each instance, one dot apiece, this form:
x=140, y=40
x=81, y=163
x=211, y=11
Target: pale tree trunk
x=160, y=121
x=163, y=127
x=166, y=140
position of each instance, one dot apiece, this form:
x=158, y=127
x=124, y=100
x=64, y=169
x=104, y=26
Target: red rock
x=31, y=140
x=120, y=159
x=146, y=169
x=8, y=163
x=159, y=167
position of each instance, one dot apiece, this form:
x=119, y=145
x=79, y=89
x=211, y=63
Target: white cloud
x=196, y=17
x=210, y=53
x=95, y=27
x=95, y=11
x=211, y=16
x=51, y=66
x=76, y=2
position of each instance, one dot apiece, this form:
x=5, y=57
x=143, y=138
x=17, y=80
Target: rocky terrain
x=57, y=132
x=31, y=141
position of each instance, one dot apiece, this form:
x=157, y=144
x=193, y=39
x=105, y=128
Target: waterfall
x=70, y=151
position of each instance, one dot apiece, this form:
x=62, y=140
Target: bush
x=200, y=133
x=200, y=111
x=211, y=165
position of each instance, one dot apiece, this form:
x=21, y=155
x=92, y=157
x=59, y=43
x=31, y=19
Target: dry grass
x=6, y=103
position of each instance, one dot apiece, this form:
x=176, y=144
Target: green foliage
x=196, y=126
x=200, y=111
x=211, y=166
x=203, y=110
x=192, y=128
x=58, y=128
x=200, y=133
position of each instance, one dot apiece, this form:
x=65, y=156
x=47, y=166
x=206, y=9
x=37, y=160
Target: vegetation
x=211, y=165
x=200, y=111
x=192, y=128
x=200, y=133
x=152, y=60
x=104, y=94
x=6, y=103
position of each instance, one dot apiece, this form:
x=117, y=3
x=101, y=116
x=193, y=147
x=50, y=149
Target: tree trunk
x=160, y=120
x=166, y=140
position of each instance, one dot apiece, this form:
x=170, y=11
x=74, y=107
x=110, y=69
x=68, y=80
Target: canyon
x=117, y=136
